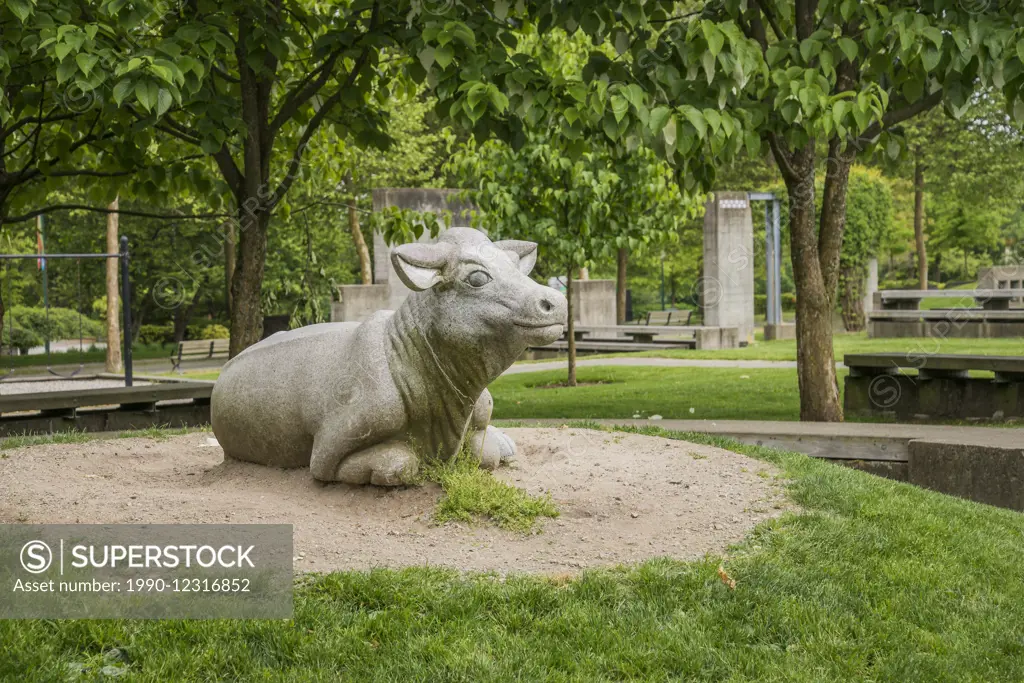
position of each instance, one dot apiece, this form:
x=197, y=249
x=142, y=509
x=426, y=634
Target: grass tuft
x=472, y=493
x=24, y=440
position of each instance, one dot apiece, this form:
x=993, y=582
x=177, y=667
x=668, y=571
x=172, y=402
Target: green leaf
x=66, y=70
x=849, y=48
x=713, y=118
x=809, y=49
x=146, y=93
x=444, y=55
x=632, y=13
x=501, y=10
x=696, y=119
x=714, y=36
x=659, y=117
x=753, y=143
x=1020, y=49
x=707, y=60
x=163, y=101
x=86, y=62
x=21, y=8
x=619, y=106
x=121, y=90
x=426, y=57
x=610, y=126
x=933, y=34
x=930, y=58
x=669, y=132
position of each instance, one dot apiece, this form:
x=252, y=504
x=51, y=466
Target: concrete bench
x=910, y=299
x=972, y=323
x=199, y=349
x=928, y=386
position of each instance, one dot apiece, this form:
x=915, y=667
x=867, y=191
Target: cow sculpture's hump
x=363, y=402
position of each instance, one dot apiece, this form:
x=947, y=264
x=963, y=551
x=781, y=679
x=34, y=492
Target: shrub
x=22, y=339
x=215, y=332
x=62, y=323
x=156, y=334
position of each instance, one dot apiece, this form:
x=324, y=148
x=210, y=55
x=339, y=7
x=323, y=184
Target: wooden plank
x=926, y=361
x=57, y=400
x=911, y=294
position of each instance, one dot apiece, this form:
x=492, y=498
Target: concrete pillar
x=594, y=302
x=415, y=199
x=871, y=286
x=728, y=282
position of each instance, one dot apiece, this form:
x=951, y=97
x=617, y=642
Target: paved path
x=834, y=440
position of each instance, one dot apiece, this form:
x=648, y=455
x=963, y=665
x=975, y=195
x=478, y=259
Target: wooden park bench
x=199, y=349
x=703, y=337
x=680, y=317
x=921, y=385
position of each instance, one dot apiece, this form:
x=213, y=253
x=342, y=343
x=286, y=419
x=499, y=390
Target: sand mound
x=622, y=497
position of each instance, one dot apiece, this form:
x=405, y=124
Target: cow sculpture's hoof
x=493, y=447
x=387, y=464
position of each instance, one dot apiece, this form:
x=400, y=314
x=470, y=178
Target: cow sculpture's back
x=362, y=402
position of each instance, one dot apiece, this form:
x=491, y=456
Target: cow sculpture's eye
x=477, y=278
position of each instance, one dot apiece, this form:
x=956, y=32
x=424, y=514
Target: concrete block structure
x=728, y=282
x=1002, y=277
x=359, y=302
x=593, y=302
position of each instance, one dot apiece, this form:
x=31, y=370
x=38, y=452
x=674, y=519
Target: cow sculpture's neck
x=438, y=380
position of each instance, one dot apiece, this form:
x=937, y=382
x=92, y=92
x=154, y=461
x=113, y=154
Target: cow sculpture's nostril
x=546, y=305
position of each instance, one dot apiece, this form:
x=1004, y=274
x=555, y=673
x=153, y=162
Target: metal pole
x=663, y=281
x=769, y=266
x=777, y=229
x=41, y=227
x=126, y=307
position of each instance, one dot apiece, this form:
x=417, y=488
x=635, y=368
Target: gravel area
x=623, y=498
x=56, y=384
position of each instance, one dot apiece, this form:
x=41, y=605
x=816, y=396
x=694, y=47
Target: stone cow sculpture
x=362, y=402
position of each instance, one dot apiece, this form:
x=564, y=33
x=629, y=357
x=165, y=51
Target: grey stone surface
x=780, y=331
x=594, y=302
x=363, y=402
x=359, y=302
x=987, y=474
x=728, y=282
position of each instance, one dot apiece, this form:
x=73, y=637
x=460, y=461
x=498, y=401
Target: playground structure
x=123, y=257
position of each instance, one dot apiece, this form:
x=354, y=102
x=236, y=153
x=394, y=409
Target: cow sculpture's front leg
x=491, y=445
x=340, y=454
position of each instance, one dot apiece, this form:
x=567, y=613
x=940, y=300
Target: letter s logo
x=36, y=557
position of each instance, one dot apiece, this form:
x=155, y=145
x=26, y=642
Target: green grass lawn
x=622, y=392
x=139, y=352
x=867, y=579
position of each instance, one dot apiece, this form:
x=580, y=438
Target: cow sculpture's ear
x=526, y=251
x=421, y=266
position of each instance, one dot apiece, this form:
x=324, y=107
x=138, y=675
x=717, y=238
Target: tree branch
x=782, y=157
x=898, y=116
x=228, y=168
x=100, y=209
x=772, y=21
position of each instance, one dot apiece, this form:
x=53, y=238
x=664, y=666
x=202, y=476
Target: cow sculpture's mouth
x=546, y=331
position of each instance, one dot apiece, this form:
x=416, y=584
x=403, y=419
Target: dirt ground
x=622, y=497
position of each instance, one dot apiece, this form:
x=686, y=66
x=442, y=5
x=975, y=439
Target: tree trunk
x=230, y=243
x=922, y=253
x=365, y=266
x=852, y=298
x=113, y=307
x=571, y=332
x=247, y=315
x=620, y=286
x=815, y=272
